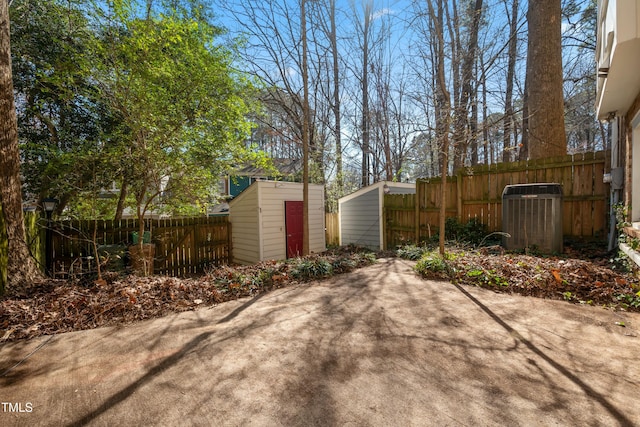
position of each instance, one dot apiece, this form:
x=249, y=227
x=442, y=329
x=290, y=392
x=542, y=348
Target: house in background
x=618, y=101
x=234, y=184
x=360, y=213
x=267, y=221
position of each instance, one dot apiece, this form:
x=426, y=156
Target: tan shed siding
x=243, y=214
x=269, y=198
x=273, y=231
x=273, y=217
x=317, y=235
x=274, y=245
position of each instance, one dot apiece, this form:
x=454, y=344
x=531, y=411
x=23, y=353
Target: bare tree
x=442, y=105
x=366, y=146
x=333, y=39
x=511, y=69
x=402, y=118
x=584, y=131
x=465, y=88
x=305, y=131
x=381, y=120
x=278, y=54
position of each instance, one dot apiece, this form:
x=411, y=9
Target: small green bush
x=431, y=264
x=629, y=300
x=311, y=269
x=343, y=265
x=482, y=277
x=365, y=258
x=411, y=252
x=453, y=229
x=472, y=232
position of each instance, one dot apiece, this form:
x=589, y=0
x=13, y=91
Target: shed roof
x=392, y=185
x=284, y=166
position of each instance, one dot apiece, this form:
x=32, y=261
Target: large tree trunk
x=473, y=129
x=546, y=134
x=511, y=72
x=458, y=110
x=21, y=268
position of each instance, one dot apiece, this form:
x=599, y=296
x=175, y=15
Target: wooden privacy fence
x=183, y=246
x=477, y=193
x=331, y=228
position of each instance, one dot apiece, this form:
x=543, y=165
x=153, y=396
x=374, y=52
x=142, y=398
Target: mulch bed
x=568, y=279
x=56, y=306
x=578, y=276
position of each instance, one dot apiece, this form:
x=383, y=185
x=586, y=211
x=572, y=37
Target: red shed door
x=293, y=227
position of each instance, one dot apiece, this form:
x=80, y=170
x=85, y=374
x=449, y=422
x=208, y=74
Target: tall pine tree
x=21, y=267
x=545, y=110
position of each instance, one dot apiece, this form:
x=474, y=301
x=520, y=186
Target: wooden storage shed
x=266, y=221
x=360, y=213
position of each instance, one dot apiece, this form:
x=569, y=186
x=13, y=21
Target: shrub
x=453, y=229
x=482, y=277
x=367, y=258
x=412, y=252
x=472, y=232
x=311, y=269
x=431, y=264
x=343, y=265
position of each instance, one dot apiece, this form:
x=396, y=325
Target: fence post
x=385, y=239
x=416, y=211
x=195, y=265
x=459, y=194
x=229, y=243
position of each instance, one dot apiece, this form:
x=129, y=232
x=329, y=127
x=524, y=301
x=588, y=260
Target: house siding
x=360, y=220
x=237, y=184
x=632, y=157
x=618, y=99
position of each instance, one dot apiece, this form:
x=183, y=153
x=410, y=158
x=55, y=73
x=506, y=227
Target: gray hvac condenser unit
x=532, y=216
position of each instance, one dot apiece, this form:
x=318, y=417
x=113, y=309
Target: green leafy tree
x=62, y=125
x=180, y=105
